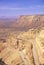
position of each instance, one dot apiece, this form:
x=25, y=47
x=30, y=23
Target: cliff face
x=27, y=22
x=23, y=23
x=24, y=48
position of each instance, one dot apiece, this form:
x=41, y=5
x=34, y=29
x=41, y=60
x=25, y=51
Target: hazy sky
x=21, y=7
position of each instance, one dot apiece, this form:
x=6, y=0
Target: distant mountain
x=27, y=22
x=23, y=22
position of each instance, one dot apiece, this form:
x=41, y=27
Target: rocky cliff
x=23, y=23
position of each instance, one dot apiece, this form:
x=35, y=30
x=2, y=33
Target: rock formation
x=26, y=45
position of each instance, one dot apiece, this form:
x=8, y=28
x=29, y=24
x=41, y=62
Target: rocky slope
x=25, y=48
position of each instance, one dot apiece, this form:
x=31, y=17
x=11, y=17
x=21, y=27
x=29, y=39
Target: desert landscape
x=22, y=40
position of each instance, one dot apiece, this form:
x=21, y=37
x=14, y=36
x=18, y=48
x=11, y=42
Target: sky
x=11, y=8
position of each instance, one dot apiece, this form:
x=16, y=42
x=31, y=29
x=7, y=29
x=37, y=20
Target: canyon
x=22, y=40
